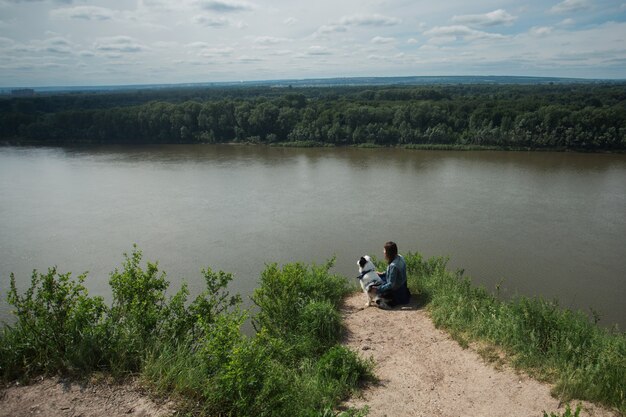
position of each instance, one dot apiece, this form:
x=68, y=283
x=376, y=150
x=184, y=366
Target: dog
x=369, y=280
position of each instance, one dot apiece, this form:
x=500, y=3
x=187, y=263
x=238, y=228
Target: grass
x=193, y=350
x=557, y=345
x=293, y=365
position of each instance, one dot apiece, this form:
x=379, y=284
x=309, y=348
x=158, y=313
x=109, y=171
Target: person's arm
x=391, y=275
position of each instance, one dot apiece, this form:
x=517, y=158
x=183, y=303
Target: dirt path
x=423, y=372
x=53, y=397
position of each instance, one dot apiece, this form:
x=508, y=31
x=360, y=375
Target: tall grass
x=566, y=348
x=192, y=349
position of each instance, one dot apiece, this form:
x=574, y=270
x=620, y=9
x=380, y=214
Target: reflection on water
x=548, y=224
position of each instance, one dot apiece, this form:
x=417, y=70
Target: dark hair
x=391, y=250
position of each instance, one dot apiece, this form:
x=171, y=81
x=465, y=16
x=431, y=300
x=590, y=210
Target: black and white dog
x=369, y=280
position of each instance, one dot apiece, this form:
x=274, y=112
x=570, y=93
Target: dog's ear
x=362, y=262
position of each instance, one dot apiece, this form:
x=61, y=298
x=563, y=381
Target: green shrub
x=566, y=348
x=284, y=293
x=320, y=323
x=566, y=413
x=58, y=328
x=193, y=350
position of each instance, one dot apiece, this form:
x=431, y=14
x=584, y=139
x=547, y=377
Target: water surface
x=549, y=224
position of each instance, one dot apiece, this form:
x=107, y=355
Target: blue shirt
x=395, y=275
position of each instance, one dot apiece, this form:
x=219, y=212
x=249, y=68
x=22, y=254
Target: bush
x=195, y=350
x=566, y=348
x=59, y=328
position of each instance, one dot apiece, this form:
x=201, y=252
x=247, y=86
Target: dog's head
x=365, y=263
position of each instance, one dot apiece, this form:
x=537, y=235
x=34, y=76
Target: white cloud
x=57, y=45
x=281, y=52
x=215, y=52
x=541, y=31
x=382, y=40
x=4, y=42
x=328, y=29
x=160, y=33
x=268, y=40
x=123, y=44
x=369, y=20
x=225, y=6
x=445, y=34
x=198, y=45
x=36, y=1
x=570, y=6
x=213, y=22
x=248, y=59
x=495, y=18
x=360, y=20
x=83, y=12
x=318, y=50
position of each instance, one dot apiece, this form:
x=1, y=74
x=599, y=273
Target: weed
x=566, y=348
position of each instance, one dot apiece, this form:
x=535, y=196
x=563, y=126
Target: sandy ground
x=54, y=397
x=423, y=372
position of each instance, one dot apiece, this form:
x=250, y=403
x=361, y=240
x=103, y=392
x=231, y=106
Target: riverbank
x=295, y=364
x=52, y=397
x=422, y=371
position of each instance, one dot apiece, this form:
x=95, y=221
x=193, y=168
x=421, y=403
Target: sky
x=115, y=42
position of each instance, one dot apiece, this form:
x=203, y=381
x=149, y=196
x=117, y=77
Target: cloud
x=495, y=18
x=290, y=21
x=570, y=6
x=452, y=33
x=382, y=40
x=123, y=44
x=198, y=45
x=216, y=52
x=213, y=22
x=328, y=29
x=346, y=22
x=83, y=13
x=57, y=45
x=412, y=41
x=4, y=42
x=225, y=6
x=38, y=1
x=369, y=20
x=318, y=50
x=540, y=31
x=268, y=40
x=245, y=59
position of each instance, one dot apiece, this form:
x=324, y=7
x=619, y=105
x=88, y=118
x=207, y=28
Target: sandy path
x=423, y=372
x=52, y=397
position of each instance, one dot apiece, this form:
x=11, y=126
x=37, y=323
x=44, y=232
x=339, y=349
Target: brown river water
x=548, y=224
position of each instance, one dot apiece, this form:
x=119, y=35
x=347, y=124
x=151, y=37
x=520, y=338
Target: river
x=548, y=224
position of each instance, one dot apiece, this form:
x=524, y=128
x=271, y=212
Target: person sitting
x=395, y=288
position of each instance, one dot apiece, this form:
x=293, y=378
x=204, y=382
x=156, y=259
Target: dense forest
x=586, y=116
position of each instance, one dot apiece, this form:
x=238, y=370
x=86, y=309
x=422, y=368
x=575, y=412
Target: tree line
x=569, y=116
